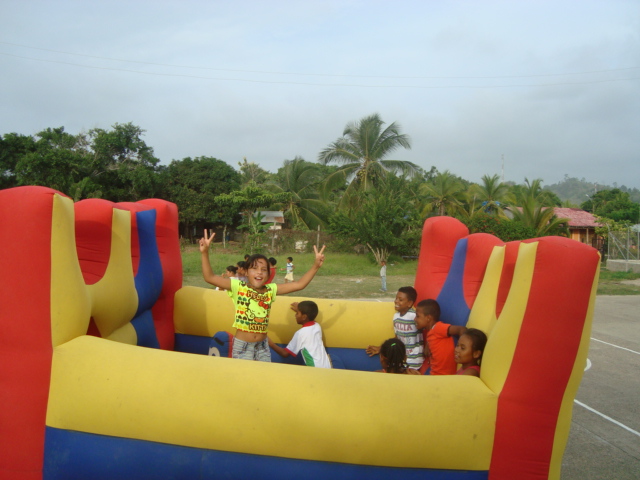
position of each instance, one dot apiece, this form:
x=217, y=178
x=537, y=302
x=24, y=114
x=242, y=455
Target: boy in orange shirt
x=438, y=344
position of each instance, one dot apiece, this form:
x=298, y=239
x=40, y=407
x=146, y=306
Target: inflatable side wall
x=86, y=288
x=98, y=268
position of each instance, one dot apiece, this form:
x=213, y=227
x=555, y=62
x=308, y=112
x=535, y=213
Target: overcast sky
x=553, y=86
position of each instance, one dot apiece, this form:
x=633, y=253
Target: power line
x=280, y=82
x=318, y=74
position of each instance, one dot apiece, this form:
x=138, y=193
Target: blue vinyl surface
x=73, y=455
x=346, y=358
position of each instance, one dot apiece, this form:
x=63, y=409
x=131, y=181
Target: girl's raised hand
x=319, y=255
x=205, y=242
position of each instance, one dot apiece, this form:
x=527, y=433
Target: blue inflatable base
x=73, y=455
x=345, y=358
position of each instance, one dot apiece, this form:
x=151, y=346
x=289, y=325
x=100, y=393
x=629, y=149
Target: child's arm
x=298, y=285
x=278, y=349
x=207, y=271
x=372, y=350
x=456, y=330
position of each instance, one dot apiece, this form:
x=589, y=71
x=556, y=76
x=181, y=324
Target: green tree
x=382, y=221
x=252, y=172
x=194, y=184
x=122, y=163
x=362, y=152
x=541, y=218
x=305, y=210
x=491, y=194
x=519, y=194
x=503, y=228
x=13, y=147
x=247, y=202
x=56, y=159
x=614, y=204
x=444, y=194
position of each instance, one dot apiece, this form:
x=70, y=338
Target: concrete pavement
x=604, y=442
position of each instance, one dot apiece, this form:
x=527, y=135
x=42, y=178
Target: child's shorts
x=289, y=277
x=258, y=351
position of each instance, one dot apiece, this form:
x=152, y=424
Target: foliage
x=362, y=152
x=247, y=201
x=252, y=172
x=577, y=190
x=503, y=228
x=13, y=147
x=491, y=194
x=122, y=163
x=381, y=221
x=114, y=164
x=193, y=185
x=540, y=218
x=532, y=190
x=57, y=160
x=614, y=204
x=444, y=194
x=305, y=210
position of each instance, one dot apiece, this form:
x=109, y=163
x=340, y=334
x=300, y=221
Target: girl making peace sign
x=253, y=299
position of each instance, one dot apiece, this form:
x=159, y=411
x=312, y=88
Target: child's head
x=231, y=271
x=290, y=259
x=242, y=268
x=307, y=311
x=405, y=298
x=393, y=356
x=427, y=314
x=257, y=270
x=246, y=257
x=382, y=262
x=470, y=347
x=272, y=261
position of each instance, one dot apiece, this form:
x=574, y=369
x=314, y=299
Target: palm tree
x=362, y=152
x=471, y=206
x=301, y=179
x=533, y=189
x=491, y=194
x=444, y=194
x=541, y=218
x=534, y=208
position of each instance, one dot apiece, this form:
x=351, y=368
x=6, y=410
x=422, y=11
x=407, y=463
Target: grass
x=342, y=275
x=611, y=283
x=357, y=276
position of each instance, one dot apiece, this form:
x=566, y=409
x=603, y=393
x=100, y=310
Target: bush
x=503, y=228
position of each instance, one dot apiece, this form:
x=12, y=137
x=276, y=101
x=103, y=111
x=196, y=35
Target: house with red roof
x=582, y=226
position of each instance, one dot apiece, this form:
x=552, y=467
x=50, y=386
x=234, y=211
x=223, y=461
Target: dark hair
x=308, y=308
x=242, y=264
x=410, y=292
x=290, y=259
x=396, y=353
x=478, y=340
x=246, y=257
x=273, y=261
x=232, y=268
x=430, y=307
x=253, y=259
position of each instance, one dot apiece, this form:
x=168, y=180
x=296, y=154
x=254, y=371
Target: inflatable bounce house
x=104, y=371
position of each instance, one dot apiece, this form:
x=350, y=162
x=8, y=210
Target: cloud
x=467, y=81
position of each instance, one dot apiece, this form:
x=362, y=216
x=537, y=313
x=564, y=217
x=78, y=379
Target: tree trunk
x=379, y=254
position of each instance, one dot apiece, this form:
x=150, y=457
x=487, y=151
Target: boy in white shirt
x=307, y=340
